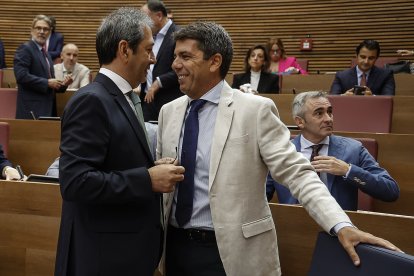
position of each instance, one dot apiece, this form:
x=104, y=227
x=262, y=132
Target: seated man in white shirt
x=79, y=73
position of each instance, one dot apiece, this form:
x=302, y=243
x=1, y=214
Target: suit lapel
x=337, y=150
x=40, y=57
x=119, y=98
x=221, y=130
x=165, y=42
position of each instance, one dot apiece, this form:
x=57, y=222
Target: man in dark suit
x=54, y=42
x=343, y=163
x=375, y=80
x=35, y=76
x=111, y=190
x=162, y=83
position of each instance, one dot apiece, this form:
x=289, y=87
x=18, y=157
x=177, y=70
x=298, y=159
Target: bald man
x=78, y=73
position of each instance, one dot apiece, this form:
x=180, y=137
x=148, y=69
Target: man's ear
x=216, y=61
x=300, y=122
x=123, y=50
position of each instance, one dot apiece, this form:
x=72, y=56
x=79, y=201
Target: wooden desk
x=402, y=116
x=30, y=218
x=61, y=100
x=33, y=144
x=302, y=83
x=297, y=232
x=404, y=84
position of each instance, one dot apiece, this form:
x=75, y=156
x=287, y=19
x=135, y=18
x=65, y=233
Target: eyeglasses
x=44, y=29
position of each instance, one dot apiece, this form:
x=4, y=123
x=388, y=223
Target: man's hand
x=149, y=97
x=54, y=84
x=349, y=92
x=164, y=177
x=330, y=164
x=11, y=173
x=368, y=91
x=350, y=237
x=68, y=80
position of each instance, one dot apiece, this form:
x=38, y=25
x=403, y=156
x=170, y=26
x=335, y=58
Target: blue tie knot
x=196, y=105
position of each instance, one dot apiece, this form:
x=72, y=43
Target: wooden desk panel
x=297, y=232
x=33, y=144
x=302, y=83
x=29, y=228
x=402, y=116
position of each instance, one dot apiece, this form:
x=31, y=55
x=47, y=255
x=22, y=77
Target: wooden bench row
x=35, y=144
x=30, y=216
x=402, y=115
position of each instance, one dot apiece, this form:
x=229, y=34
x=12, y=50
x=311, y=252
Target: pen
x=19, y=169
x=33, y=115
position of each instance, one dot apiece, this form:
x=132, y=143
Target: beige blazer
x=80, y=75
x=249, y=140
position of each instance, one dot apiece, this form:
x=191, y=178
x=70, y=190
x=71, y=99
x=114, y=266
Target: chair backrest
x=1, y=78
x=365, y=202
x=362, y=114
x=294, y=84
x=9, y=80
x=8, y=98
x=404, y=84
x=303, y=63
x=4, y=137
x=380, y=61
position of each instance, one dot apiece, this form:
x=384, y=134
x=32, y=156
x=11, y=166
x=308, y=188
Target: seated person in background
x=375, y=80
x=405, y=52
x=6, y=168
x=343, y=163
x=280, y=63
x=78, y=73
x=256, y=65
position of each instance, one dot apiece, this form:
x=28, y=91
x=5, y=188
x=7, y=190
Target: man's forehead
x=318, y=103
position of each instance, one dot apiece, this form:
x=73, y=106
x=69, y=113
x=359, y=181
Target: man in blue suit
x=35, y=76
x=375, y=80
x=112, y=192
x=343, y=163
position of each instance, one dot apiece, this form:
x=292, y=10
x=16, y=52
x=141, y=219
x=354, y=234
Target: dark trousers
x=192, y=254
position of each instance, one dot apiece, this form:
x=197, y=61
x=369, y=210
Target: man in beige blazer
x=70, y=68
x=240, y=138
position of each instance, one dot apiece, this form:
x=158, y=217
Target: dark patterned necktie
x=47, y=61
x=363, y=81
x=185, y=195
x=315, y=152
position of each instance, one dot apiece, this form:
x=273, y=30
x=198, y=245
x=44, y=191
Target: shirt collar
x=305, y=143
x=359, y=72
x=164, y=29
x=213, y=95
x=119, y=81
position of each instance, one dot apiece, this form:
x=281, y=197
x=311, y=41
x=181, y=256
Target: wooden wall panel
x=335, y=26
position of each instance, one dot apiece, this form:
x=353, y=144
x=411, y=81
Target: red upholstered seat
x=4, y=136
x=8, y=98
x=362, y=113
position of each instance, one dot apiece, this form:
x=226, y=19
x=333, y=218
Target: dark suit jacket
x=365, y=174
x=170, y=87
x=3, y=161
x=380, y=81
x=111, y=222
x=268, y=83
x=55, y=45
x=2, y=56
x=31, y=71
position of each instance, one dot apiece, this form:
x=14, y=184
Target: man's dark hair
x=156, y=6
x=212, y=39
x=370, y=45
x=123, y=24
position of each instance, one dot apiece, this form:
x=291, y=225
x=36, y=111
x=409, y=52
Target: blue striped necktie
x=185, y=196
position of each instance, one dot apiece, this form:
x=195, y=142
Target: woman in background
x=256, y=78
x=280, y=63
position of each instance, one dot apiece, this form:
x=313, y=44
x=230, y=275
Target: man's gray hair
x=126, y=23
x=298, y=105
x=41, y=17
